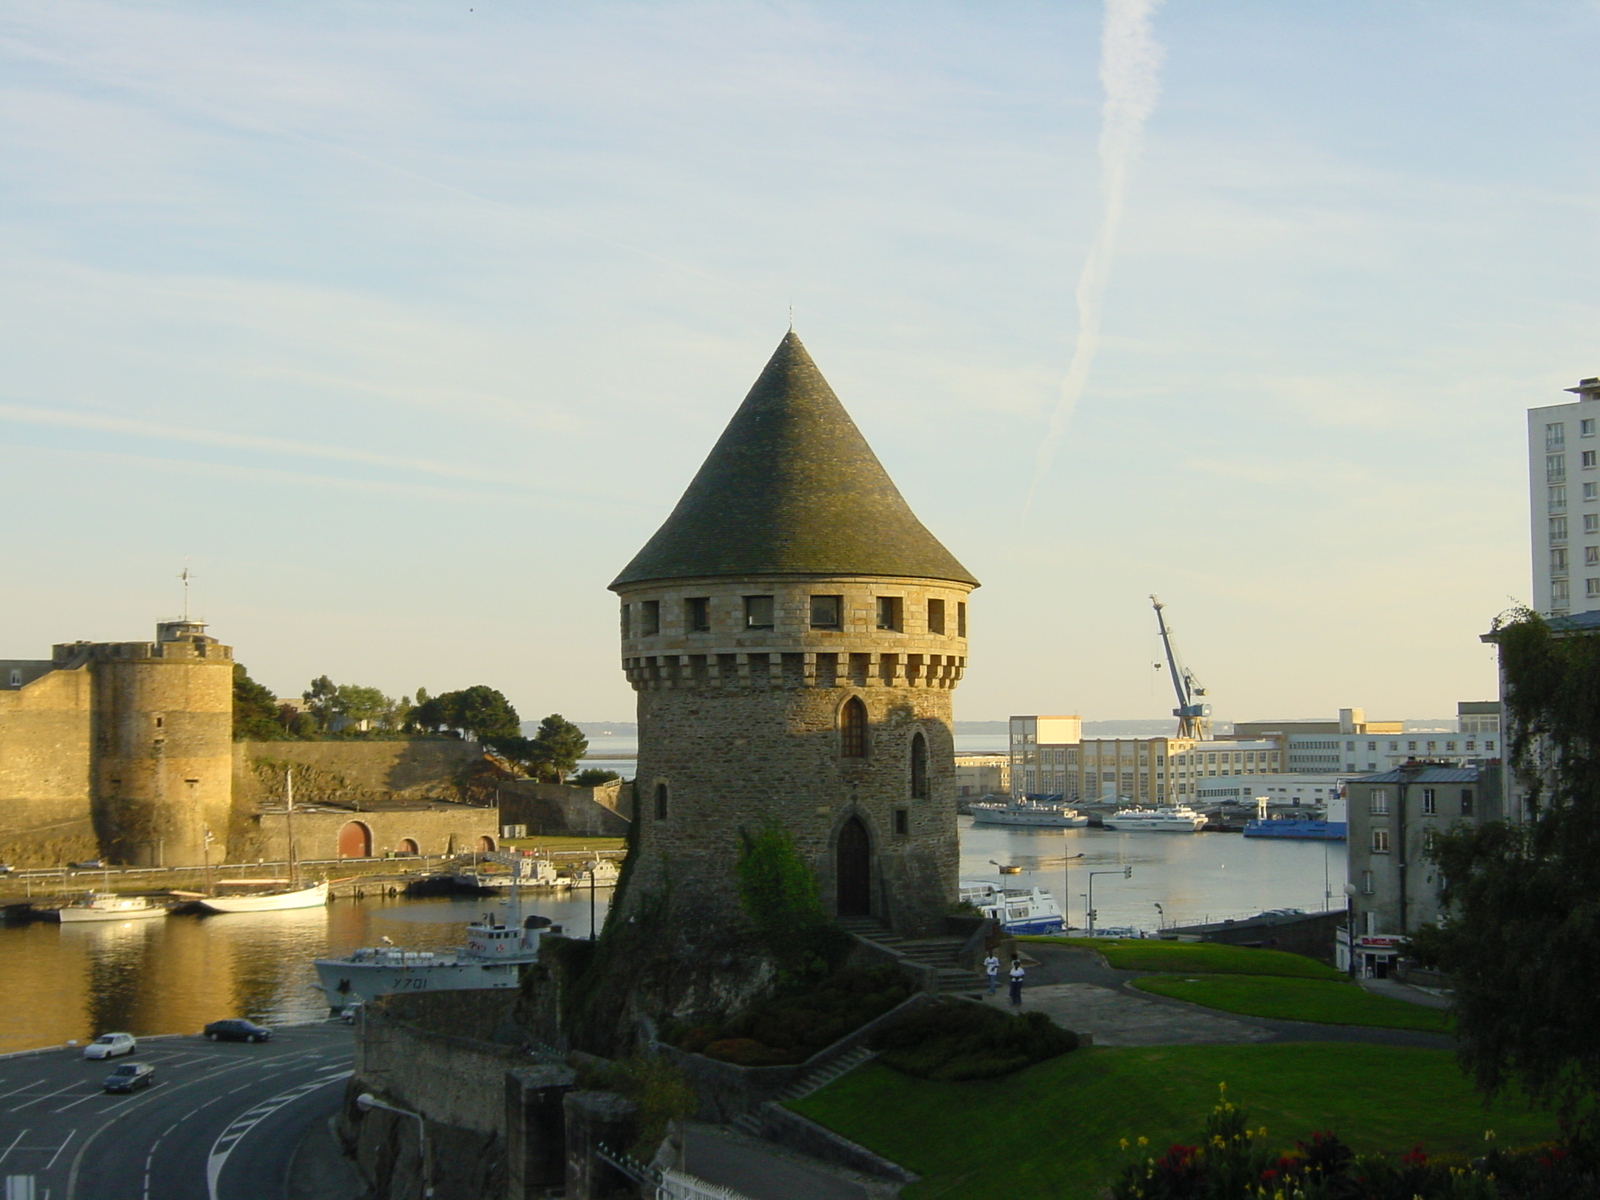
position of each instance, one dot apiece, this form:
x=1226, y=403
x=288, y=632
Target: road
x=221, y=1121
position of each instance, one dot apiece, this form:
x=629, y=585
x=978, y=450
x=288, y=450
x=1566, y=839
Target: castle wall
x=436, y=829
x=163, y=735
x=351, y=772
x=45, y=765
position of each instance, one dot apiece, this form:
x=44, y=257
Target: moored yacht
x=108, y=906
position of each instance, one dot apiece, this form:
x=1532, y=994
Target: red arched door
x=854, y=861
x=355, y=840
x=408, y=846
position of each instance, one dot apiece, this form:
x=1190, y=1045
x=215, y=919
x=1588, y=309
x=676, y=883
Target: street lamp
x=1066, y=888
x=1161, y=918
x=1350, y=927
x=1126, y=873
x=366, y=1102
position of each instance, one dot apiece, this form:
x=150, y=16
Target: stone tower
x=794, y=633
x=161, y=744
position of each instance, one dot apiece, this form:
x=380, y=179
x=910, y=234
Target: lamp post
x=1066, y=888
x=366, y=1102
x=1350, y=928
x=1126, y=873
x=1161, y=918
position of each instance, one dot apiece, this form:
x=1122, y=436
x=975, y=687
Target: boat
x=492, y=958
x=482, y=881
x=293, y=896
x=108, y=906
x=311, y=897
x=1181, y=819
x=538, y=873
x=1016, y=910
x=600, y=873
x=1298, y=828
x=1028, y=812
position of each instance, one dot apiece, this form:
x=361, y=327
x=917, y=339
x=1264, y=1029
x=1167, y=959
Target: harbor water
x=173, y=975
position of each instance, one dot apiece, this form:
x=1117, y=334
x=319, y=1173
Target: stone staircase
x=829, y=1071
x=940, y=953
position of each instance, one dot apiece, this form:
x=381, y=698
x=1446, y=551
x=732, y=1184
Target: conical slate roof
x=792, y=488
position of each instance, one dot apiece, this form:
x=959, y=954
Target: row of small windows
x=1555, y=465
x=1561, y=590
x=1555, y=434
x=1591, y=555
x=1556, y=501
x=1378, y=802
x=826, y=612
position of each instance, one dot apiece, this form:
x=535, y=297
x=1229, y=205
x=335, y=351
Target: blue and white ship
x=1016, y=910
x=1299, y=828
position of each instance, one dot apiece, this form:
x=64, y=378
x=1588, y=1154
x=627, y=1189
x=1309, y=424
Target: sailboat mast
x=288, y=790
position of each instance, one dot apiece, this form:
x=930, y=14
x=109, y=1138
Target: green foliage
x=479, y=712
x=653, y=1083
x=1330, y=1002
x=957, y=1040
x=255, y=710
x=319, y=698
x=779, y=894
x=1233, y=1160
x=1194, y=958
x=791, y=1027
x=1522, y=902
x=594, y=777
x=558, y=745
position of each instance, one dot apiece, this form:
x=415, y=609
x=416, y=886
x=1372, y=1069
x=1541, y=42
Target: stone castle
x=794, y=634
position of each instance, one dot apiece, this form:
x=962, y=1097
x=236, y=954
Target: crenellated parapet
x=806, y=669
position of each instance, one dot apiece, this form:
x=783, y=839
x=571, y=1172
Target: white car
x=109, y=1045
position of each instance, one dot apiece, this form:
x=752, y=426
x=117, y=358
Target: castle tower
x=794, y=633
x=161, y=744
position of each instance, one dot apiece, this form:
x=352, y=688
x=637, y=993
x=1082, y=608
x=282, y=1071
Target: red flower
x=1268, y=1175
x=1413, y=1157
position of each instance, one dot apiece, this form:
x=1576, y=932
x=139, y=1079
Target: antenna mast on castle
x=185, y=575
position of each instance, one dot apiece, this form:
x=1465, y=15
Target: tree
x=1522, y=901
x=485, y=713
x=354, y=704
x=255, y=710
x=320, y=699
x=559, y=744
x=594, y=777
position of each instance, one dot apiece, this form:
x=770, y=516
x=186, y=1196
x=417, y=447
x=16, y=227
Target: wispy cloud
x=1130, y=62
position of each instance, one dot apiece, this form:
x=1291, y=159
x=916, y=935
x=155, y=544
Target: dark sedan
x=130, y=1076
x=237, y=1030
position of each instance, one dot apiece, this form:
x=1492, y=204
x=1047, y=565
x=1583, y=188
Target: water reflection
x=174, y=975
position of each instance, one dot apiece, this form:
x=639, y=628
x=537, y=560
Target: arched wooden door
x=407, y=846
x=355, y=840
x=854, y=870
x=485, y=844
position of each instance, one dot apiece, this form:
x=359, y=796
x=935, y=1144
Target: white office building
x=1564, y=499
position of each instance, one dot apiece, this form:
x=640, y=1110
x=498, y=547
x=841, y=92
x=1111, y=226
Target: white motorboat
x=108, y=906
x=601, y=871
x=311, y=897
x=1180, y=819
x=492, y=958
x=1028, y=812
x=1016, y=910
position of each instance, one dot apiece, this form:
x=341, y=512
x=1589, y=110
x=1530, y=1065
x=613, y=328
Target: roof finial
x=791, y=314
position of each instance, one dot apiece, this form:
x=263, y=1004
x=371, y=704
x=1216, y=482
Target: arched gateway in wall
x=853, y=860
x=355, y=840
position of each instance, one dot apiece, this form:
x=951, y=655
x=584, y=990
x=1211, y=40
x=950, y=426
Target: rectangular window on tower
x=961, y=618
x=758, y=612
x=935, y=616
x=697, y=614
x=889, y=612
x=649, y=618
x=627, y=622
x=827, y=612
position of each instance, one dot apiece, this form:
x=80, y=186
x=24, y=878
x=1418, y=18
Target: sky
x=406, y=324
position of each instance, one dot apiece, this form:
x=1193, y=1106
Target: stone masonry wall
x=435, y=830
x=345, y=771
x=45, y=768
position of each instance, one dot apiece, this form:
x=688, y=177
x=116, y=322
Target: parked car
x=5, y=868
x=88, y=864
x=129, y=1077
x=237, y=1029
x=109, y=1045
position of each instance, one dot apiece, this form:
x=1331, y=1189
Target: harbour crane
x=1194, y=717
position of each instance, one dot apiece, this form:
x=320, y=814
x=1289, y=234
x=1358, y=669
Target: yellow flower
x=1124, y=1143
x=1144, y=1141
x=1488, y=1135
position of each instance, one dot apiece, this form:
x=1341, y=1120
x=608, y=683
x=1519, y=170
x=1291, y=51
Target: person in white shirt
x=1017, y=975
x=991, y=968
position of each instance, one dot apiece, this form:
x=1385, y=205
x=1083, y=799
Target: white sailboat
x=108, y=906
x=292, y=897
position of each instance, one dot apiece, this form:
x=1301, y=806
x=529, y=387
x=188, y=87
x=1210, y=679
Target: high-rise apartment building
x=1564, y=502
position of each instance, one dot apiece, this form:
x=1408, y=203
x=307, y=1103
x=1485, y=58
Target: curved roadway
x=222, y=1121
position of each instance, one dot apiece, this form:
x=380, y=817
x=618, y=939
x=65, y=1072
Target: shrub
x=747, y=1052
x=957, y=1040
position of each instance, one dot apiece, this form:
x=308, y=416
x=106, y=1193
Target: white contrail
x=1130, y=62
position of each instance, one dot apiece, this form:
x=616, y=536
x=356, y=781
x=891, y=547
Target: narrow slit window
x=961, y=618
x=661, y=802
x=853, y=729
x=919, y=768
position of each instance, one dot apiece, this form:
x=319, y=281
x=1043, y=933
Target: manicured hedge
x=957, y=1040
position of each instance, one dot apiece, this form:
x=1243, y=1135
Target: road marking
x=13, y=1145
x=245, y=1122
x=71, y=1133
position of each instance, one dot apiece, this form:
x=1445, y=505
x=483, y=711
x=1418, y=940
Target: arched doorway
x=485, y=844
x=408, y=846
x=355, y=840
x=853, y=859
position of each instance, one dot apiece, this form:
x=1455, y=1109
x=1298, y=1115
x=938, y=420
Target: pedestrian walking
x=991, y=968
x=1017, y=975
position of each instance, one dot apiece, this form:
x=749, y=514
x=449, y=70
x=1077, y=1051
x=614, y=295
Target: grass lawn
x=1193, y=958
x=1331, y=1003
x=1053, y=1129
